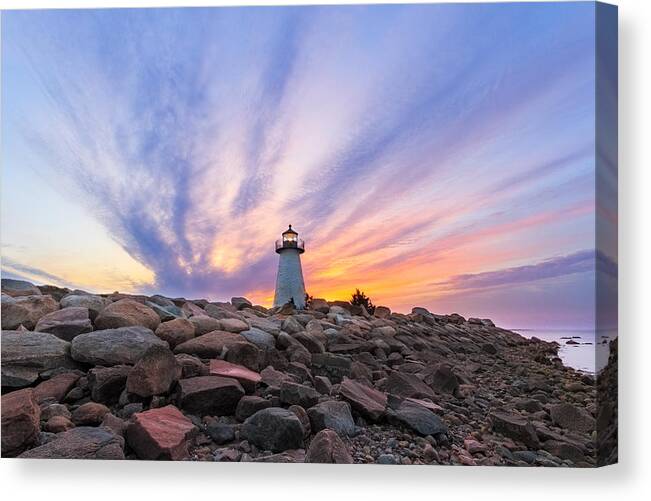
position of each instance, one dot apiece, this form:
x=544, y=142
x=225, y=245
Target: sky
x=437, y=155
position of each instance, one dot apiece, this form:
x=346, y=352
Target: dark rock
x=241, y=302
x=210, y=395
x=220, y=433
x=191, y=366
x=274, y=429
x=106, y=383
x=58, y=424
x=249, y=405
x=443, y=380
x=80, y=443
x=415, y=416
x=408, y=385
x=332, y=414
x=367, y=401
x=56, y=388
x=66, y=323
x=335, y=367
x=572, y=418
x=18, y=288
x=298, y=394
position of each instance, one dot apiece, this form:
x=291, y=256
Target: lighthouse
x=289, y=281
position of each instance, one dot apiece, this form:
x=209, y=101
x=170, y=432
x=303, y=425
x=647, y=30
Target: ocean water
x=589, y=355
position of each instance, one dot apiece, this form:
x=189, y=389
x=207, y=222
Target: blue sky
x=434, y=155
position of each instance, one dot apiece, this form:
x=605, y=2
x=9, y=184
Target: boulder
x=80, y=443
x=58, y=424
x=25, y=310
x=89, y=414
x=17, y=288
x=572, y=418
x=220, y=433
x=233, y=325
x=260, y=338
x=367, y=401
x=167, y=312
x=247, y=378
x=193, y=310
x=127, y=313
x=332, y=414
x=210, y=395
x=204, y=324
x=249, y=405
x=298, y=394
x=320, y=305
x=21, y=417
x=274, y=429
x=210, y=345
x=56, y=388
x=291, y=326
x=272, y=377
x=66, y=323
x=125, y=345
x=94, y=304
x=191, y=366
x=241, y=302
x=382, y=312
x=161, y=433
x=154, y=373
x=107, y=383
x=26, y=354
x=515, y=427
x=311, y=343
x=176, y=331
x=334, y=367
x=415, y=416
x=327, y=447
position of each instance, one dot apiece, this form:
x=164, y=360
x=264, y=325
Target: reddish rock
x=161, y=433
x=327, y=447
x=272, y=377
x=408, y=386
x=56, y=387
x=515, y=427
x=58, y=424
x=26, y=310
x=191, y=366
x=203, y=324
x=89, y=414
x=246, y=377
x=382, y=312
x=367, y=401
x=572, y=418
x=80, y=443
x=176, y=331
x=192, y=310
x=20, y=421
x=127, y=313
x=154, y=373
x=233, y=325
x=210, y=395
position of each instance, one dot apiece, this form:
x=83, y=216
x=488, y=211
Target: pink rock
x=126, y=313
x=246, y=377
x=474, y=447
x=56, y=387
x=161, y=433
x=436, y=409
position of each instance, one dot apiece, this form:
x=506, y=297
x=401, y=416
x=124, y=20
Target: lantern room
x=290, y=240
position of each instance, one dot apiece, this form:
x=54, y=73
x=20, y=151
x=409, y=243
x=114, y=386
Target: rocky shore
x=123, y=376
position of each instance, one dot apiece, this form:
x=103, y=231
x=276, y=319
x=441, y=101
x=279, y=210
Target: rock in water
x=210, y=395
x=80, y=443
x=127, y=313
x=114, y=346
x=154, y=373
x=274, y=429
x=26, y=354
x=66, y=323
x=327, y=447
x=20, y=421
x=161, y=433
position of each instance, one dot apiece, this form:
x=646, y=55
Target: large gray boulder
x=114, y=346
x=95, y=304
x=126, y=313
x=26, y=354
x=260, y=338
x=275, y=429
x=415, y=416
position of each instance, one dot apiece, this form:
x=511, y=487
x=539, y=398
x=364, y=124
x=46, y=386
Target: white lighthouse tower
x=289, y=281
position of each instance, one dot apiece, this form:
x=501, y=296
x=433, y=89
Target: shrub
x=361, y=299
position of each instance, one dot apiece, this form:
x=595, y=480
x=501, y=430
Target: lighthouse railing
x=290, y=244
